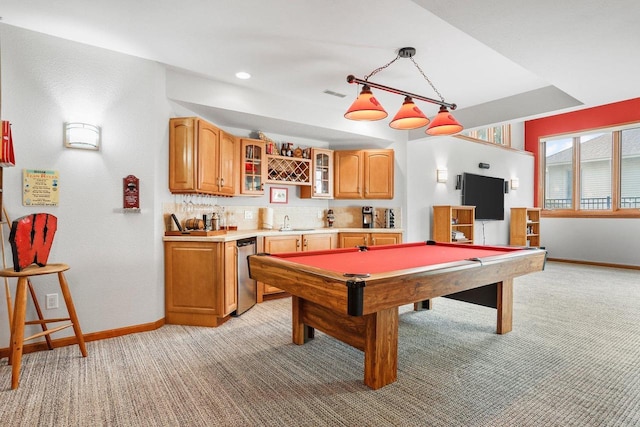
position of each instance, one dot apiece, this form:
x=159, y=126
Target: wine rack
x=288, y=170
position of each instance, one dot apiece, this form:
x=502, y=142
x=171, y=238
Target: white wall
x=600, y=240
x=425, y=156
x=116, y=259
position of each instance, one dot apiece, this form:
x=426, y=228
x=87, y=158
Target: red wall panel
x=618, y=113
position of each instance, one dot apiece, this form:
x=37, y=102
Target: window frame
x=616, y=159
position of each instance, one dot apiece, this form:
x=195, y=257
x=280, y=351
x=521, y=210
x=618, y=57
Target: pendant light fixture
x=367, y=107
x=409, y=116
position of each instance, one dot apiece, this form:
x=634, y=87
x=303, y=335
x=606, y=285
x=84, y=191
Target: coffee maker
x=367, y=217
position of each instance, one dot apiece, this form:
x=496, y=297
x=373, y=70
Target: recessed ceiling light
x=243, y=75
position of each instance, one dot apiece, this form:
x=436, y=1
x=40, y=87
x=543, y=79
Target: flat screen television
x=486, y=193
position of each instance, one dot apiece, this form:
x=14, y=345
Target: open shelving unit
x=525, y=227
x=450, y=219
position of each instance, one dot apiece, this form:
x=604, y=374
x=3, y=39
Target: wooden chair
x=31, y=238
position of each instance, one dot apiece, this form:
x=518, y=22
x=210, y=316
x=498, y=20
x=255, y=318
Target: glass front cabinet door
x=322, y=175
x=253, y=166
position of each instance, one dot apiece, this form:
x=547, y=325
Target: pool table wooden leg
x=381, y=348
x=505, y=306
x=301, y=333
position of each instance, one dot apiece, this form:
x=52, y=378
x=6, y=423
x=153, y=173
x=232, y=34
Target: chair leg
x=17, y=331
x=36, y=304
x=72, y=312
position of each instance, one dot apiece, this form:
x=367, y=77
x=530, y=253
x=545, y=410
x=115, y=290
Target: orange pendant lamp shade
x=409, y=116
x=444, y=124
x=365, y=107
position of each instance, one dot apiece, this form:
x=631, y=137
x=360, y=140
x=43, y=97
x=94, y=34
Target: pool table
x=353, y=294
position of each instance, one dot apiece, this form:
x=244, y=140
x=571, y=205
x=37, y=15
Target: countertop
x=231, y=236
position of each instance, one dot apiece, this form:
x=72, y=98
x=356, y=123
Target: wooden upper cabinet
x=363, y=174
x=202, y=158
x=229, y=152
x=253, y=166
x=182, y=155
x=348, y=169
x=378, y=174
x=207, y=147
x=321, y=175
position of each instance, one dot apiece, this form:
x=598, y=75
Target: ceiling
x=499, y=61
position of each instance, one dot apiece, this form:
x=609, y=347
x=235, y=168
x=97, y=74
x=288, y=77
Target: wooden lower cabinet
x=349, y=240
x=293, y=243
x=200, y=282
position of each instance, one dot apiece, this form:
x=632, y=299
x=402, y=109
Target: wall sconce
x=515, y=183
x=442, y=175
x=366, y=107
x=82, y=135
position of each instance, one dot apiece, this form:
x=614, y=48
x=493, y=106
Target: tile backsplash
x=251, y=217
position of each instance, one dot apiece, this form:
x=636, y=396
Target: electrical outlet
x=248, y=214
x=51, y=301
x=320, y=215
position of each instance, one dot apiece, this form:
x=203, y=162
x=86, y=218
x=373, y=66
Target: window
x=499, y=135
x=558, y=174
x=595, y=171
x=630, y=168
x=592, y=174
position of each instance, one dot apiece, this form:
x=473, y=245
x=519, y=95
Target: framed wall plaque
x=279, y=195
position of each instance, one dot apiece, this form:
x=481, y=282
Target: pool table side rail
x=394, y=288
x=425, y=284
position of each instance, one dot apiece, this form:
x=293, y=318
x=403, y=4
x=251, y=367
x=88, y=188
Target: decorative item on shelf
x=297, y=152
x=366, y=107
x=194, y=224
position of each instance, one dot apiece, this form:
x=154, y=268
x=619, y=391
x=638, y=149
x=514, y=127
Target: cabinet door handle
x=297, y=243
x=373, y=241
x=221, y=181
x=306, y=243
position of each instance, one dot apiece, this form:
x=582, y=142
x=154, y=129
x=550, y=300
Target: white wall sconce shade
x=82, y=135
x=515, y=183
x=442, y=175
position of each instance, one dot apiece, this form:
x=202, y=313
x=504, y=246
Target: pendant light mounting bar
x=352, y=79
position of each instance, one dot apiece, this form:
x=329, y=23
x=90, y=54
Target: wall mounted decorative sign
x=130, y=192
x=40, y=187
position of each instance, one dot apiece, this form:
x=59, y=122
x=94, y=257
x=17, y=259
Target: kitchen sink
x=297, y=229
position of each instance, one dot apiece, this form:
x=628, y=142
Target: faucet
x=285, y=223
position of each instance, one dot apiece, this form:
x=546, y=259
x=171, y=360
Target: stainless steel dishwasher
x=246, y=285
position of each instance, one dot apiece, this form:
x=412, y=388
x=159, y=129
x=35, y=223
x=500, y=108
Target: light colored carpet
x=573, y=359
